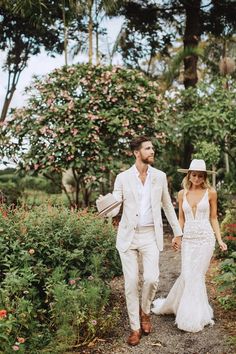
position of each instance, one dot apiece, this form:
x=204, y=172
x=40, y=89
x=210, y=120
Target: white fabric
x=125, y=188
x=144, y=199
x=143, y=244
x=188, y=297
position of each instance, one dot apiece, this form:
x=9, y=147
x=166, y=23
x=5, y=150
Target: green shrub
x=226, y=280
x=40, y=184
x=54, y=271
x=10, y=193
x=14, y=178
x=31, y=198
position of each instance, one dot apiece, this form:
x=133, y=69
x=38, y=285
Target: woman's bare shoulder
x=212, y=192
x=181, y=193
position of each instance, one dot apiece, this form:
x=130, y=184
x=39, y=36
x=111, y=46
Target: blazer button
x=136, y=214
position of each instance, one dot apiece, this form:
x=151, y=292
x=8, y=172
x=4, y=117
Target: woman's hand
x=223, y=246
x=176, y=242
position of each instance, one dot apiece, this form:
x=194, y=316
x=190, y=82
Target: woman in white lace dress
x=198, y=218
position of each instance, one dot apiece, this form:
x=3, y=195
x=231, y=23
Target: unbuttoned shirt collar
x=145, y=217
x=138, y=173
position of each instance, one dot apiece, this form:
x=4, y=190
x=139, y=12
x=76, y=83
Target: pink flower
x=36, y=166
x=74, y=131
x=94, y=322
x=72, y=281
x=31, y=251
x=69, y=158
x=49, y=101
x=3, y=313
x=71, y=105
x=15, y=347
x=21, y=340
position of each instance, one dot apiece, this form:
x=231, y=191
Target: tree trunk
x=191, y=40
x=77, y=187
x=90, y=31
x=11, y=87
x=65, y=30
x=6, y=104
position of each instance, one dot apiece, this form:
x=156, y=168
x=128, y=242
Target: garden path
x=166, y=338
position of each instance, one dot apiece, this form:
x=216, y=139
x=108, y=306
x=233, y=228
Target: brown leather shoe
x=134, y=337
x=145, y=322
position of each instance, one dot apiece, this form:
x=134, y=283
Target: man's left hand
x=176, y=242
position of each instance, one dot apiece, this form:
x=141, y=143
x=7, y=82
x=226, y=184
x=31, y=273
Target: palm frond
x=176, y=62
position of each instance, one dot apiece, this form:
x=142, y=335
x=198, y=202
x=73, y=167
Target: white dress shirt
x=144, y=198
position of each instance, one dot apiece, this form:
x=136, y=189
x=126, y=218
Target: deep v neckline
x=191, y=208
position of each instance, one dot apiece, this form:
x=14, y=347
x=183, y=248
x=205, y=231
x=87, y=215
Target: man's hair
x=136, y=143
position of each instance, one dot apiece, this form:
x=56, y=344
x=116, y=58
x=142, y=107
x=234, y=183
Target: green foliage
x=39, y=184
x=31, y=198
x=227, y=278
x=211, y=113
x=208, y=152
x=227, y=282
x=10, y=193
x=54, y=271
x=205, y=118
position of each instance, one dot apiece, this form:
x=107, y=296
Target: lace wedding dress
x=188, y=297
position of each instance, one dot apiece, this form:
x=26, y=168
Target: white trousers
x=143, y=244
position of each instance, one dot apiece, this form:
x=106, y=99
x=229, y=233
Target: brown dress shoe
x=145, y=322
x=134, y=337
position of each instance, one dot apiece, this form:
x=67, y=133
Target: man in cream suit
x=144, y=191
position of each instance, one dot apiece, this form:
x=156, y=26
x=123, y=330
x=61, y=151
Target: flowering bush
x=82, y=117
x=228, y=230
x=54, y=271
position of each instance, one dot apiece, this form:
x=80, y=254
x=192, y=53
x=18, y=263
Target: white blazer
x=125, y=189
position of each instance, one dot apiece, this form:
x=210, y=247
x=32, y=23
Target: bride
x=198, y=218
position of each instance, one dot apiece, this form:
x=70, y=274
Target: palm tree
x=95, y=11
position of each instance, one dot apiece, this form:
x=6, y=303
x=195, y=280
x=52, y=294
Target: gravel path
x=165, y=338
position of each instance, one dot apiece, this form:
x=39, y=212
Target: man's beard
x=147, y=160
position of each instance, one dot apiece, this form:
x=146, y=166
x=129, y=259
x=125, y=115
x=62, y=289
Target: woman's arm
x=214, y=220
x=181, y=213
x=176, y=240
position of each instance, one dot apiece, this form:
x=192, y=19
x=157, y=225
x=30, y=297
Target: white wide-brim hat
x=196, y=165
x=106, y=204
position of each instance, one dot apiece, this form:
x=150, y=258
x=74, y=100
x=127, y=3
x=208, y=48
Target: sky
x=43, y=64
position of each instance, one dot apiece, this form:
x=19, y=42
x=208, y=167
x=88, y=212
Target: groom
x=144, y=191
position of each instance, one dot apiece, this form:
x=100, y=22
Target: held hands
x=222, y=245
x=176, y=243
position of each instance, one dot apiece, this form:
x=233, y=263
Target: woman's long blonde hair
x=186, y=184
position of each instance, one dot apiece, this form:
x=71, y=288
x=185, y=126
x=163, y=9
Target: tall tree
x=22, y=36
x=191, y=40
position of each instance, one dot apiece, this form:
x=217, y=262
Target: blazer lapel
x=154, y=186
x=132, y=183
